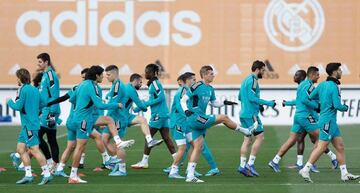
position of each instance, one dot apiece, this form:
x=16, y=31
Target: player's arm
x=289, y=103
x=314, y=95
x=156, y=94
x=183, y=103
x=253, y=96
x=305, y=99
x=336, y=98
x=98, y=101
x=59, y=100
x=52, y=88
x=135, y=98
x=19, y=101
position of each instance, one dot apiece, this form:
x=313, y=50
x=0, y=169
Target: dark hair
x=23, y=75
x=111, y=67
x=180, y=77
x=151, y=70
x=331, y=67
x=85, y=70
x=37, y=79
x=46, y=57
x=257, y=64
x=311, y=70
x=135, y=76
x=93, y=71
x=302, y=74
x=187, y=75
x=204, y=70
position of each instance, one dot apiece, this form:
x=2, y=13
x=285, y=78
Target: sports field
x=225, y=146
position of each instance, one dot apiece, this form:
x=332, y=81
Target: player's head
x=95, y=73
x=44, y=61
x=207, y=74
x=112, y=73
x=299, y=76
x=189, y=78
x=37, y=79
x=151, y=71
x=334, y=70
x=23, y=76
x=180, y=80
x=313, y=74
x=258, y=68
x=83, y=73
x=136, y=80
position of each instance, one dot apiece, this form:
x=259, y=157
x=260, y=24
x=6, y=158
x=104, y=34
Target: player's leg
x=111, y=148
x=144, y=162
x=205, y=151
x=21, y=149
x=224, y=119
x=180, y=140
x=138, y=120
x=194, y=157
x=290, y=142
x=165, y=134
x=70, y=147
x=44, y=146
x=300, y=150
x=259, y=139
x=243, y=154
x=54, y=147
x=100, y=146
x=340, y=154
x=79, y=149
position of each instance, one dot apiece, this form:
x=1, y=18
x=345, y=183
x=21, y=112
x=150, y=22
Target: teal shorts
x=181, y=134
x=84, y=128
x=121, y=124
x=328, y=130
x=71, y=130
x=304, y=124
x=199, y=124
x=157, y=122
x=29, y=137
x=45, y=116
x=248, y=122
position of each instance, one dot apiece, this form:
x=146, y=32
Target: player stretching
x=159, y=120
x=27, y=102
x=86, y=96
x=329, y=95
x=249, y=96
x=305, y=119
x=127, y=95
x=194, y=104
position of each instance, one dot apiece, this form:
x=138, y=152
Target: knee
x=142, y=120
x=20, y=150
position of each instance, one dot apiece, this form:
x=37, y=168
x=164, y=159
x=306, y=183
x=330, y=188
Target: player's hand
x=7, y=100
x=347, y=108
x=120, y=105
x=261, y=108
x=226, y=102
x=283, y=103
x=188, y=113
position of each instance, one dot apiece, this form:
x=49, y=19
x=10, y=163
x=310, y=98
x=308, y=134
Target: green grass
x=225, y=146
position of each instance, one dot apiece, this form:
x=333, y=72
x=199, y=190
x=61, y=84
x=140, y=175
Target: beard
x=137, y=87
x=260, y=76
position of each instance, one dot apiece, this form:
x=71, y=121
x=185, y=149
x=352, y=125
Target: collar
x=329, y=78
x=151, y=80
x=253, y=75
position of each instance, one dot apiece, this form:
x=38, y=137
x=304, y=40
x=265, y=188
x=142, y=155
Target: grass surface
x=225, y=147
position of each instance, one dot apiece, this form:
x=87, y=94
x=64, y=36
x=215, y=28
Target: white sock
x=60, y=167
x=299, y=160
x=73, y=173
x=241, y=129
x=17, y=155
x=251, y=160
x=82, y=159
x=173, y=155
x=145, y=159
x=49, y=161
x=105, y=157
x=242, y=162
x=343, y=170
x=148, y=138
x=122, y=167
x=28, y=171
x=331, y=155
x=276, y=159
x=307, y=167
x=21, y=165
x=45, y=170
x=191, y=170
x=174, y=169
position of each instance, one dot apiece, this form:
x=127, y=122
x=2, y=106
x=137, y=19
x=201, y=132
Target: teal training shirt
x=200, y=95
x=27, y=102
x=50, y=89
x=157, y=100
x=304, y=105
